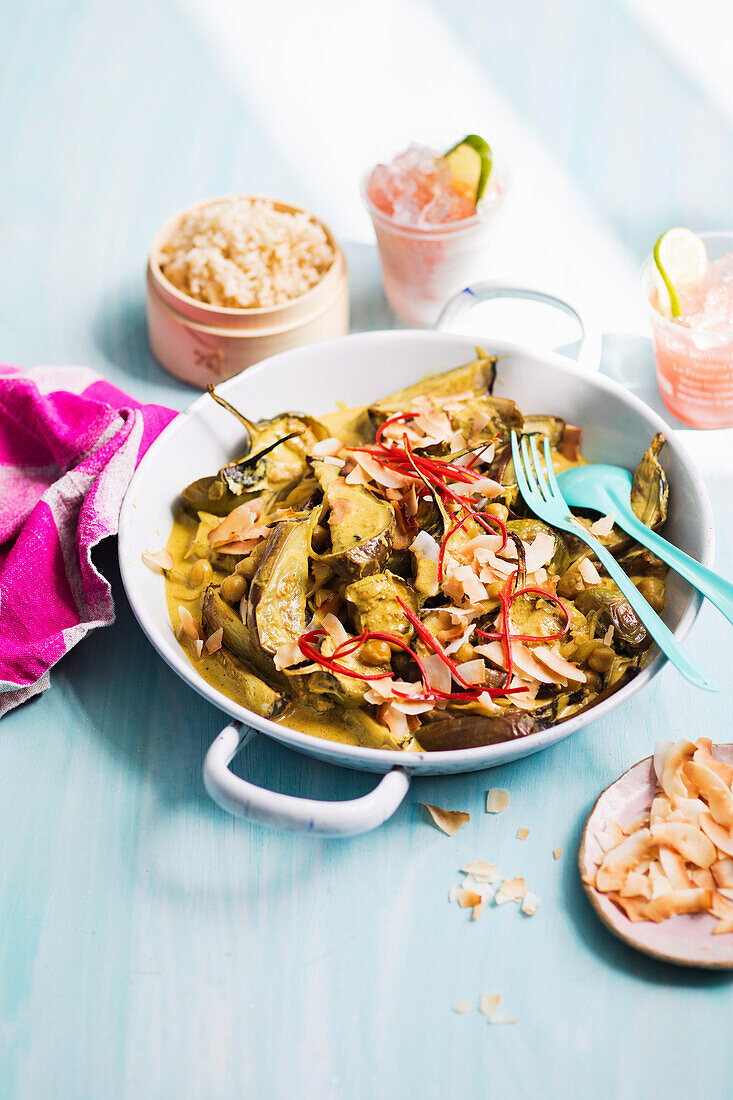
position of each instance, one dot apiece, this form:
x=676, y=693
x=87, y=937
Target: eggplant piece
x=211, y=495
x=373, y=604
x=249, y=689
x=470, y=731
x=276, y=602
x=650, y=488
x=362, y=526
x=607, y=607
x=478, y=376
x=260, y=433
x=238, y=638
x=551, y=426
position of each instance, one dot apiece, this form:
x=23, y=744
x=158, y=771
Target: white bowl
x=357, y=369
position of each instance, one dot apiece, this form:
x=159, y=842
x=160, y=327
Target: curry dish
x=375, y=576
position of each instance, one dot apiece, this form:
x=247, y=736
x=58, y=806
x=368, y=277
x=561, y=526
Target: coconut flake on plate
x=214, y=641
x=159, y=562
x=588, y=571
x=603, y=526
x=189, y=627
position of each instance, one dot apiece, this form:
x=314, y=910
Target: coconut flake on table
x=530, y=904
x=448, y=821
x=497, y=800
x=511, y=889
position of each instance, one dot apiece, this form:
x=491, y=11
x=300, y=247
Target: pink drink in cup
x=694, y=351
x=432, y=238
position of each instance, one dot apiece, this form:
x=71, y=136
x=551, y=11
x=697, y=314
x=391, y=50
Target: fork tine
x=554, y=487
x=539, y=472
x=519, y=469
x=529, y=469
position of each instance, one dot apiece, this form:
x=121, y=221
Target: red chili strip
x=393, y=420
x=312, y=654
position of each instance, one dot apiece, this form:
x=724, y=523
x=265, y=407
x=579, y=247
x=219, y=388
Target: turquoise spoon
x=541, y=492
x=607, y=489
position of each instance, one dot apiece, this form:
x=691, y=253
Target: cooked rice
x=243, y=253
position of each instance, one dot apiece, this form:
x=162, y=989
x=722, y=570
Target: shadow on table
x=615, y=952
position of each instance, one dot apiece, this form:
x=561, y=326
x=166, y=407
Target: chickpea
x=233, y=588
x=464, y=653
x=375, y=652
x=499, y=510
x=200, y=572
x=653, y=591
x=570, y=584
x=321, y=538
x=601, y=658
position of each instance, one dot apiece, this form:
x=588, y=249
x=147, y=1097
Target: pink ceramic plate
x=684, y=940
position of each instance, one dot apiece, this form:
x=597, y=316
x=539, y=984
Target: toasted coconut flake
x=503, y=1020
x=539, y=551
x=704, y=755
x=159, y=562
x=721, y=837
x=672, y=782
x=522, y=834
x=603, y=526
x=723, y=926
x=611, y=875
x=477, y=910
x=553, y=660
x=236, y=526
x=454, y=892
x=702, y=876
x=511, y=889
x=488, y=1004
x=198, y=645
x=461, y=1007
x=661, y=808
x=608, y=636
x=331, y=460
x=448, y=821
x=530, y=904
x=611, y=836
x=287, y=655
x=189, y=626
x=713, y=789
x=473, y=672
x=377, y=472
x=686, y=839
x=497, y=800
x=588, y=571
x=676, y=902
x=326, y=447
x=673, y=866
x=213, y=642
x=632, y=907
x=481, y=870
x=636, y=886
x=467, y=899
x=723, y=872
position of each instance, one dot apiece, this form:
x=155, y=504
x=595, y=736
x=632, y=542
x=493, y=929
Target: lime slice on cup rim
x=681, y=259
x=470, y=161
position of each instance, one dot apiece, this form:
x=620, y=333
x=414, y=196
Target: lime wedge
x=469, y=161
x=681, y=261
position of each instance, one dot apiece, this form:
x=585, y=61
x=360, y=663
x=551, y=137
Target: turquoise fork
x=607, y=489
x=542, y=494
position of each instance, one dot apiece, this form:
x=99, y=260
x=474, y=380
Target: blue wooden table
x=151, y=946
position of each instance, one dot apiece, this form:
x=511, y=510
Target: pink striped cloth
x=69, y=443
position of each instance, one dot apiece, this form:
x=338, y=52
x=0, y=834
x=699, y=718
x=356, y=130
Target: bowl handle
x=284, y=811
x=589, y=352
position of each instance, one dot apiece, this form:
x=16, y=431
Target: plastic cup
x=424, y=266
x=694, y=366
